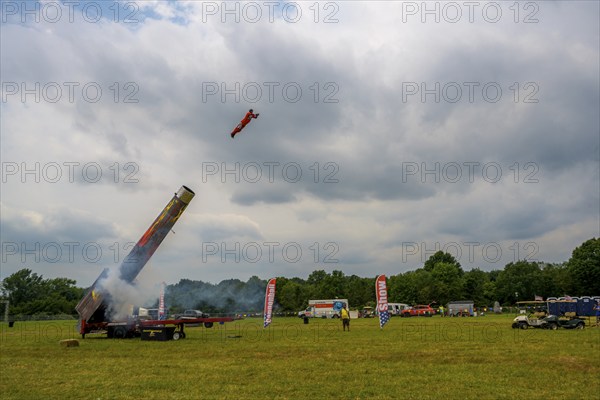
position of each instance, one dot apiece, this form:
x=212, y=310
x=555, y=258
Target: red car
x=418, y=310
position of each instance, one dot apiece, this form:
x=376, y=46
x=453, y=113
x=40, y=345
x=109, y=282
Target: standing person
x=345, y=318
x=597, y=308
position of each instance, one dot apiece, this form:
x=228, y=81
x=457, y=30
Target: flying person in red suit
x=249, y=116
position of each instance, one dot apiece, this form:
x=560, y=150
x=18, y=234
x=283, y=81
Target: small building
x=460, y=308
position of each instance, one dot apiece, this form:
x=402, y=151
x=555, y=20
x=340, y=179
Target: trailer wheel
x=120, y=332
x=177, y=335
x=208, y=324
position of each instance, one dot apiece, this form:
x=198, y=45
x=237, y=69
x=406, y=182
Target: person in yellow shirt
x=345, y=314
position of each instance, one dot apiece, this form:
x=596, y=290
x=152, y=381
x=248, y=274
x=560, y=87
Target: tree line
x=30, y=294
x=440, y=280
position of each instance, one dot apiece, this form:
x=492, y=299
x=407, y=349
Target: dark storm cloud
x=221, y=227
x=66, y=240
x=57, y=225
x=372, y=135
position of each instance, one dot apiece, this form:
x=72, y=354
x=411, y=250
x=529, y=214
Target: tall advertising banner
x=382, y=300
x=161, y=303
x=269, y=300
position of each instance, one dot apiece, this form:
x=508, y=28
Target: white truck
x=396, y=308
x=324, y=308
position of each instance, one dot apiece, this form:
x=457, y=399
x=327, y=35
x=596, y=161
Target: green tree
x=489, y=292
x=359, y=291
x=446, y=283
x=439, y=257
x=584, y=267
x=519, y=281
x=290, y=295
x=405, y=289
x=426, y=292
x=316, y=278
x=555, y=280
x=64, y=288
x=475, y=286
x=29, y=294
x=440, y=279
x=334, y=286
x=21, y=288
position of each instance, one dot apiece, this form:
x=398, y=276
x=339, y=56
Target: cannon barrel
x=137, y=258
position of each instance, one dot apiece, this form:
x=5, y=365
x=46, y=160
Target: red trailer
x=136, y=327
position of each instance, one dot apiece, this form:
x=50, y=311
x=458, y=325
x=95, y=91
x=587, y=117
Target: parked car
x=191, y=314
x=418, y=310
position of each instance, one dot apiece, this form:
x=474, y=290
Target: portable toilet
x=561, y=307
x=585, y=306
x=553, y=306
x=568, y=306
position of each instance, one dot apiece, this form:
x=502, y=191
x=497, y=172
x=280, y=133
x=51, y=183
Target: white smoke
x=122, y=297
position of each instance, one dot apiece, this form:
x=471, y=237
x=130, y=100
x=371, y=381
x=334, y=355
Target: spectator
x=345, y=318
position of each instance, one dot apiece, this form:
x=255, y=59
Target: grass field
x=412, y=358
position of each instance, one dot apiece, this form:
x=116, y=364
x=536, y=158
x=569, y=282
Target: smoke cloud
x=121, y=297
x=229, y=296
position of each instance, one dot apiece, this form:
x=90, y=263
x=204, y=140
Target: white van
x=396, y=308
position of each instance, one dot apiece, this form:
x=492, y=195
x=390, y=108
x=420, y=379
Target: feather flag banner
x=269, y=300
x=382, y=300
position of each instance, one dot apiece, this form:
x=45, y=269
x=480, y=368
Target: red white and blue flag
x=382, y=300
x=269, y=300
x=161, y=303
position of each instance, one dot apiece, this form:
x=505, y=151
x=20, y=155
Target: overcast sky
x=387, y=131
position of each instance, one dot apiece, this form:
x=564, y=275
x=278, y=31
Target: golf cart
x=526, y=321
x=367, y=312
x=532, y=314
x=566, y=322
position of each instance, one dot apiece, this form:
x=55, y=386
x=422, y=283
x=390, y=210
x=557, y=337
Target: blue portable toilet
x=553, y=307
x=585, y=306
x=560, y=307
x=570, y=306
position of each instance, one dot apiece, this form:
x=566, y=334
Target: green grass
x=413, y=358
